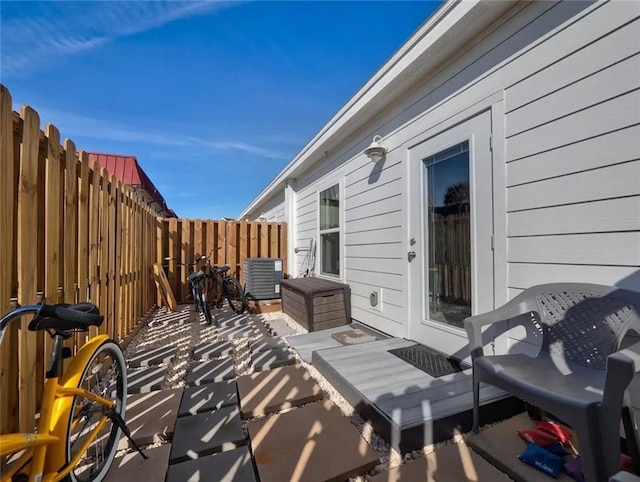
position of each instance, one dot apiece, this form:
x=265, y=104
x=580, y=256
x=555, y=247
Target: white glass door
x=451, y=225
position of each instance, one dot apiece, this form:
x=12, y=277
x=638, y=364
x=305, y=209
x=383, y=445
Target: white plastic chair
x=580, y=374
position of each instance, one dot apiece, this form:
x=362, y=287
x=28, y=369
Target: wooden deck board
x=406, y=397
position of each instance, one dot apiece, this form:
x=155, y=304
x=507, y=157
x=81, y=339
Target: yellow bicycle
x=82, y=411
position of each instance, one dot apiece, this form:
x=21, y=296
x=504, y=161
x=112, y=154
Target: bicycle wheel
x=106, y=376
x=206, y=307
x=196, y=298
x=235, y=295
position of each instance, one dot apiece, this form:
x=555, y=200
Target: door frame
x=494, y=104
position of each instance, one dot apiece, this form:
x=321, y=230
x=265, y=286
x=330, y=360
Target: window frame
x=338, y=230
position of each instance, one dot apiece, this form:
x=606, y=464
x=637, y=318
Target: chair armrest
x=521, y=304
x=621, y=367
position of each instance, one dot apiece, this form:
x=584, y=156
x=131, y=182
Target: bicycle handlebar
x=197, y=260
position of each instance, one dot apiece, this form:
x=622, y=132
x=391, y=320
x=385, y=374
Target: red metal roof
x=127, y=170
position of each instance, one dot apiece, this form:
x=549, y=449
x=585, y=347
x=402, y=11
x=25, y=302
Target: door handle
x=411, y=255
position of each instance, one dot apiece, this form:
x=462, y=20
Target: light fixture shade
x=377, y=150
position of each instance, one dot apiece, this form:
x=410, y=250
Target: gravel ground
x=185, y=332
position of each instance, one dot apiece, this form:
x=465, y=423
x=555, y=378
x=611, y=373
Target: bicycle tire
x=105, y=361
x=196, y=298
x=235, y=295
x=206, y=308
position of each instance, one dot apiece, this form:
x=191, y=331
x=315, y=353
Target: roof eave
x=447, y=14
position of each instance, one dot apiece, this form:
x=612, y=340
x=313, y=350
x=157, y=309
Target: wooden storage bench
x=316, y=303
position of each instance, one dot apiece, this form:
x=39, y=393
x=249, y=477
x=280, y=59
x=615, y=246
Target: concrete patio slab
x=144, y=380
x=230, y=466
x=151, y=417
x=278, y=357
x=153, y=357
x=267, y=343
x=206, y=398
x=232, y=319
x=307, y=343
x=206, y=433
x=501, y=444
x=211, y=350
x=315, y=443
x=210, y=371
x=452, y=463
x=131, y=467
x=265, y=392
x=279, y=327
x=234, y=332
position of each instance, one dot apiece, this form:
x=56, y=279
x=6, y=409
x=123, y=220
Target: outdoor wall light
x=377, y=150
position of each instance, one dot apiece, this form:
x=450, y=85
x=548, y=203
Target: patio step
x=151, y=416
x=144, y=380
x=406, y=406
x=207, y=433
x=268, y=359
x=230, y=466
x=272, y=390
x=316, y=434
x=131, y=467
x=501, y=444
x=152, y=357
x=212, y=371
x=455, y=462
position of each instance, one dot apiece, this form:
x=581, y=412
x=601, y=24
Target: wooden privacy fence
x=451, y=269
x=186, y=239
x=70, y=232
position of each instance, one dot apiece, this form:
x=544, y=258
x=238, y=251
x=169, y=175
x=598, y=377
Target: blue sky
x=213, y=98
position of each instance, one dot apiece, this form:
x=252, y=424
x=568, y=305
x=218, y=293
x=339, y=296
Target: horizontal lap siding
x=305, y=226
x=273, y=211
x=374, y=243
x=573, y=160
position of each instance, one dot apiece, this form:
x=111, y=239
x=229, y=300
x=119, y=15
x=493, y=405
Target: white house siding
x=374, y=240
x=563, y=79
x=573, y=157
x=305, y=226
x=273, y=210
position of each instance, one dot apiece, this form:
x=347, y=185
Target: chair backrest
x=583, y=322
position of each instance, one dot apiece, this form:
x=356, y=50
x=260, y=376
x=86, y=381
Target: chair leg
x=599, y=441
x=535, y=413
x=476, y=404
x=632, y=442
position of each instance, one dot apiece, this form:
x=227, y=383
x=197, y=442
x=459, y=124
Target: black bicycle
x=224, y=286
x=197, y=288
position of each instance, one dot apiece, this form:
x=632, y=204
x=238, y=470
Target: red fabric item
x=563, y=434
x=538, y=437
x=625, y=463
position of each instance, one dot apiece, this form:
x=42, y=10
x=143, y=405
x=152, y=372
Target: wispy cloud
x=60, y=29
x=74, y=125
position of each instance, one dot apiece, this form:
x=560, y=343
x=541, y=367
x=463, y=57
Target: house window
x=330, y=231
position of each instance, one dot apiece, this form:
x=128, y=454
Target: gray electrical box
x=262, y=278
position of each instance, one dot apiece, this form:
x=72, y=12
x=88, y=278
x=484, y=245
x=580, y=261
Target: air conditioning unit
x=262, y=278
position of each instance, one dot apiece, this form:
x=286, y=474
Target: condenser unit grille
x=262, y=278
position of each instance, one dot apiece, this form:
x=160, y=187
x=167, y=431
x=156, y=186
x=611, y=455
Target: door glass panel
x=448, y=234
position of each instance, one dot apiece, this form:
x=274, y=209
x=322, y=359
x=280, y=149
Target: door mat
x=352, y=337
x=429, y=360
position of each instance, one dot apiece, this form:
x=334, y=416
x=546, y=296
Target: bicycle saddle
x=223, y=270
x=196, y=276
x=66, y=317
